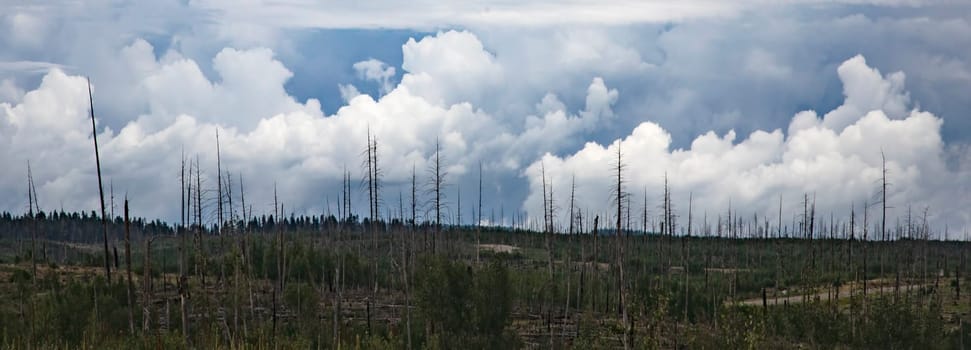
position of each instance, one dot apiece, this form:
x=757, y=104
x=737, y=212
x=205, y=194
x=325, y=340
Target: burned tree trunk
x=619, y=194
x=131, y=287
x=101, y=191
x=31, y=193
x=183, y=280
x=478, y=220
x=147, y=286
x=437, y=182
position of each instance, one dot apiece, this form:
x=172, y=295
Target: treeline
x=84, y=227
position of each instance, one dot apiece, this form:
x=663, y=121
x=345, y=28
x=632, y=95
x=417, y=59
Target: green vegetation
x=374, y=286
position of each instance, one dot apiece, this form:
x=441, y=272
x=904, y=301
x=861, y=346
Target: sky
x=742, y=103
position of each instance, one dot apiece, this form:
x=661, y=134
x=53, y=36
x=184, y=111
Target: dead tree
x=131, y=286
x=812, y=232
x=237, y=259
x=684, y=258
x=183, y=280
x=883, y=204
x=573, y=190
x=368, y=180
x=478, y=220
x=852, y=236
x=371, y=179
x=405, y=277
x=414, y=203
x=200, y=246
x=437, y=182
x=619, y=196
x=548, y=219
x=219, y=207
x=569, y=258
x=779, y=233
x=279, y=237
x=147, y=286
x=375, y=178
x=865, y=243
x=667, y=227
x=244, y=243
x=101, y=191
x=219, y=188
x=644, y=214
x=31, y=194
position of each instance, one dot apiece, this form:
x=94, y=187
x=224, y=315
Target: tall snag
x=183, y=280
x=414, y=203
x=101, y=191
x=619, y=196
x=131, y=287
x=31, y=203
x=200, y=244
x=883, y=204
x=548, y=219
x=478, y=219
x=437, y=181
x=219, y=207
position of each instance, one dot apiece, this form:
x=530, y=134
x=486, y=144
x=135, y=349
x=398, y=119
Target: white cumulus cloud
x=266, y=135
x=837, y=159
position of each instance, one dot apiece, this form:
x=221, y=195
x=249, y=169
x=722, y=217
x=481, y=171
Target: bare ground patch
x=499, y=248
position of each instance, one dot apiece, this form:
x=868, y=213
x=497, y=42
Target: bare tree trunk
x=201, y=246
x=548, y=234
x=183, y=280
x=248, y=269
x=337, y=280
x=619, y=193
x=685, y=257
x=219, y=188
x=438, y=181
x=866, y=207
x=33, y=230
x=238, y=260
x=478, y=220
x=147, y=286
x=548, y=221
x=219, y=208
x=883, y=203
x=131, y=287
x=372, y=185
x=101, y=191
x=279, y=239
x=405, y=277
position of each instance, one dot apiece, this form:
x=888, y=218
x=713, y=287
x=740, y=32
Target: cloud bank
x=269, y=137
x=293, y=103
x=837, y=158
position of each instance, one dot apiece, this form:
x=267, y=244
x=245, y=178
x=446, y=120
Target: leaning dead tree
x=101, y=191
